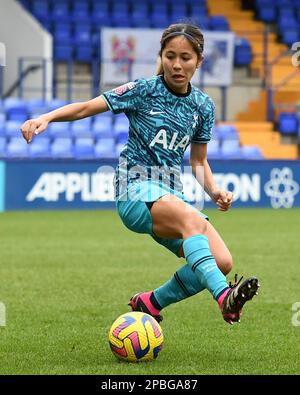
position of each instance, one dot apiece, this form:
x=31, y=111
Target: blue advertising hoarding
x=31, y=185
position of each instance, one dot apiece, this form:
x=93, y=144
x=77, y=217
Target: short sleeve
x=125, y=98
x=206, y=122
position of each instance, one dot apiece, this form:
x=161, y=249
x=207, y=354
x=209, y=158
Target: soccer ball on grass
x=135, y=337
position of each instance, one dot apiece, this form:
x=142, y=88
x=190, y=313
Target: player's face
x=179, y=61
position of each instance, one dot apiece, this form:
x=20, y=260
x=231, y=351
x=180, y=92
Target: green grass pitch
x=66, y=276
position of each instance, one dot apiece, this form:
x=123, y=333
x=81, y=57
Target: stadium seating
x=230, y=149
x=84, y=148
x=288, y=123
x=40, y=147
x=75, y=24
x=17, y=148
x=101, y=136
x=243, y=52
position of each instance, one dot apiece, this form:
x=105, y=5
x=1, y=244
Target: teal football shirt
x=162, y=124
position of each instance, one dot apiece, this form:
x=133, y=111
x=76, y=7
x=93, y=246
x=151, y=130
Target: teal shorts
x=136, y=215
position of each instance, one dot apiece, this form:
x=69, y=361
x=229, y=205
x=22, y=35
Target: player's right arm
x=70, y=112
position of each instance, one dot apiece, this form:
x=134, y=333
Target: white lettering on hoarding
x=97, y=187
x=244, y=187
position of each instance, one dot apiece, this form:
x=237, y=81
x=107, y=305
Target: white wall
x=23, y=36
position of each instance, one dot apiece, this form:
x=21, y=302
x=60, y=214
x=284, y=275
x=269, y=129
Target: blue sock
x=199, y=258
x=182, y=285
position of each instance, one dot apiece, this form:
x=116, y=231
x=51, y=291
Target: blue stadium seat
x=230, y=149
x=61, y=148
x=59, y=130
x=282, y=3
x=267, y=13
x=19, y=113
x=159, y=20
x=84, y=53
x=227, y=132
x=62, y=32
x=2, y=129
x=242, y=52
x=219, y=22
x=80, y=11
x=290, y=35
x=82, y=128
x=12, y=102
x=139, y=17
x=251, y=152
x=178, y=7
x=142, y=7
x=60, y=10
x=201, y=20
x=105, y=148
x=84, y=148
x=122, y=137
x=121, y=19
x=213, y=149
x=187, y=153
x=13, y=128
x=198, y=9
x=121, y=124
x=36, y=106
x=63, y=52
x=82, y=33
x=40, y=9
x=288, y=123
x=103, y=127
x=101, y=17
x=120, y=6
x=2, y=147
x=2, y=117
x=17, y=148
x=40, y=147
x=286, y=22
x=119, y=148
x=287, y=12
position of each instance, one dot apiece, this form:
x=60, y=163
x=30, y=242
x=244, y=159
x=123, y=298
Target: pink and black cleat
x=141, y=302
x=233, y=299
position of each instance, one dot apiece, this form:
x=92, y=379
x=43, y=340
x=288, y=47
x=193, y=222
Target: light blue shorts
x=136, y=215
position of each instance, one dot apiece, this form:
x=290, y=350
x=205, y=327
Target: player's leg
x=173, y=218
x=184, y=283
x=218, y=248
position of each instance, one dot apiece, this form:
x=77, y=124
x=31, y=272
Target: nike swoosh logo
x=156, y=112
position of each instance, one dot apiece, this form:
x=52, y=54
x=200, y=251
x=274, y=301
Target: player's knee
x=193, y=224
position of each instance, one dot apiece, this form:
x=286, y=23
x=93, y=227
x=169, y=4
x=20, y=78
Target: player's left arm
x=203, y=174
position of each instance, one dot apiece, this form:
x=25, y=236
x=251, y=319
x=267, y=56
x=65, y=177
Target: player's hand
x=223, y=199
x=33, y=127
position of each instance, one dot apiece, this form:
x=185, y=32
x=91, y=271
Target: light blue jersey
x=162, y=124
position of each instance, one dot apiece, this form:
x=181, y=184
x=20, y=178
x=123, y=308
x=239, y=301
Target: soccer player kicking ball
x=166, y=114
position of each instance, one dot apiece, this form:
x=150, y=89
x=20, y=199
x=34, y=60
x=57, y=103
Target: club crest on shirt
x=120, y=90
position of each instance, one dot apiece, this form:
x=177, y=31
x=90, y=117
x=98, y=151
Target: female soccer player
x=166, y=114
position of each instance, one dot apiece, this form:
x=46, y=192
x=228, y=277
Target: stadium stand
x=75, y=29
